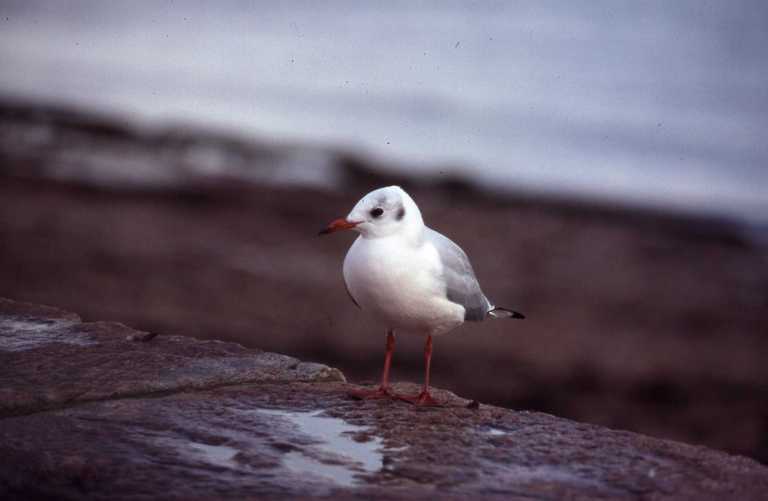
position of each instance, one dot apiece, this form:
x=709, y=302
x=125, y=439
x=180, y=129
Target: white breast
x=400, y=285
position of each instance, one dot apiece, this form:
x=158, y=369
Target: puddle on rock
x=217, y=455
x=336, y=455
x=27, y=333
x=194, y=453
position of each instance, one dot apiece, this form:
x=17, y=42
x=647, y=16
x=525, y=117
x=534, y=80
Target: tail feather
x=498, y=312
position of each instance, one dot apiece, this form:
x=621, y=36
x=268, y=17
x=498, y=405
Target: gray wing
x=346, y=287
x=460, y=281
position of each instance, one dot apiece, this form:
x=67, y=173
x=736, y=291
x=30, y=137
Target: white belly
x=400, y=286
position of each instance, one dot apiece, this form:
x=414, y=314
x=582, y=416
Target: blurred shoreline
x=54, y=142
x=639, y=319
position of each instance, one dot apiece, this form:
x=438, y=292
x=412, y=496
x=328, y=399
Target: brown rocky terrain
x=102, y=411
x=637, y=320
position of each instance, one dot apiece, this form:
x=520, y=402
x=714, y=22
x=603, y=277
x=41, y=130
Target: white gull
x=409, y=277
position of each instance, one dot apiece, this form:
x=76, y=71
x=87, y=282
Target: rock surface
x=51, y=359
x=98, y=410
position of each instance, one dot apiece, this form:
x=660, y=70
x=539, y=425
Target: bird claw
x=423, y=399
x=378, y=393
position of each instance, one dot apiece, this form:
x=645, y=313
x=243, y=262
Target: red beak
x=338, y=224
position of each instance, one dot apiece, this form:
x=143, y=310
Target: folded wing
x=461, y=285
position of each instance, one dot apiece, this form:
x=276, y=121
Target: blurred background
x=168, y=165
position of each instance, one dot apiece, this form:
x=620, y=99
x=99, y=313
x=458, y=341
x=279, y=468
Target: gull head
x=380, y=213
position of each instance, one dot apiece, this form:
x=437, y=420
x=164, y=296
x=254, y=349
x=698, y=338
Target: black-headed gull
x=408, y=277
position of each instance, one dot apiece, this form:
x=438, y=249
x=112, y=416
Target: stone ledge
x=51, y=359
x=271, y=426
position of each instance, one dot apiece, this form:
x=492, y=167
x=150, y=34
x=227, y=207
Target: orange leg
x=424, y=398
x=383, y=390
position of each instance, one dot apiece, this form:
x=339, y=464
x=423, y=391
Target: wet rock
x=50, y=358
x=236, y=423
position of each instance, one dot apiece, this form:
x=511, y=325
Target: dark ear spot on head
x=400, y=213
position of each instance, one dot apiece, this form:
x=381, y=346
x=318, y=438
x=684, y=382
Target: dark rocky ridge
x=637, y=320
x=51, y=359
x=98, y=410
x=107, y=152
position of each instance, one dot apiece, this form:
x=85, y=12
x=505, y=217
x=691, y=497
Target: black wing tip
x=505, y=313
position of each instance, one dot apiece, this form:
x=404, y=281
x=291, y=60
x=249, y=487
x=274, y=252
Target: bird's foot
x=422, y=399
x=377, y=393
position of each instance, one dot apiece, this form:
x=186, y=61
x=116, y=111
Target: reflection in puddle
x=338, y=473
x=217, y=455
x=336, y=456
x=495, y=432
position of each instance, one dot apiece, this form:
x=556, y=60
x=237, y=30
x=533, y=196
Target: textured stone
x=50, y=358
x=269, y=426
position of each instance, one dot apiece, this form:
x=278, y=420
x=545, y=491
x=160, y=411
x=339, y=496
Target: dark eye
x=377, y=212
